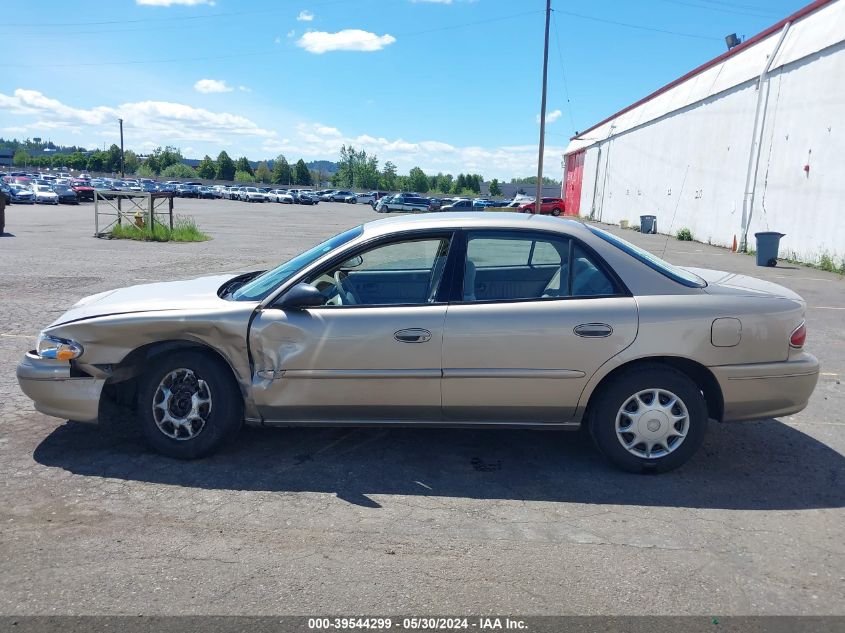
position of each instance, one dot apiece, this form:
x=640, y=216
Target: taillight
x=798, y=337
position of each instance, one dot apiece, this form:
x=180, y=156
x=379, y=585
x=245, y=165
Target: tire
x=608, y=416
x=556, y=212
x=200, y=375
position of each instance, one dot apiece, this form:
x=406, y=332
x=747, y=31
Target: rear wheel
x=189, y=405
x=650, y=418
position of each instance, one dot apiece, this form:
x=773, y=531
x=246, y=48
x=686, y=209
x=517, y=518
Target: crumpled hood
x=721, y=282
x=189, y=294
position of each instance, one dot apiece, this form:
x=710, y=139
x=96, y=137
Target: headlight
x=57, y=348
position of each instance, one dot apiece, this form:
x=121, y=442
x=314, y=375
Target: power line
x=563, y=71
x=639, y=26
x=720, y=9
x=135, y=62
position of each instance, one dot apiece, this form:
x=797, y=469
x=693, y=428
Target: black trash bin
x=648, y=224
x=768, y=243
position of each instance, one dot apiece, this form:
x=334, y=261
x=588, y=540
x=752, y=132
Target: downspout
x=756, y=139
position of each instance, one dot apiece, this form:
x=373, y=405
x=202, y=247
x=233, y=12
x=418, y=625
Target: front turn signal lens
x=54, y=348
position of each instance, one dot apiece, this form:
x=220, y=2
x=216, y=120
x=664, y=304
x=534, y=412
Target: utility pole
x=539, y=200
x=123, y=164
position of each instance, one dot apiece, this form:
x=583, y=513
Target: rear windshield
x=674, y=273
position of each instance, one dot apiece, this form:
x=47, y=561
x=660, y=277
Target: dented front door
x=334, y=363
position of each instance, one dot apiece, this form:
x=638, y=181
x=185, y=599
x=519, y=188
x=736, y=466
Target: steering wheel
x=345, y=291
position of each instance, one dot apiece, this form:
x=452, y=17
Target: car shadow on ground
x=763, y=465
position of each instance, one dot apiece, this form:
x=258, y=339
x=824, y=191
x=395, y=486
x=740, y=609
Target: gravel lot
x=310, y=521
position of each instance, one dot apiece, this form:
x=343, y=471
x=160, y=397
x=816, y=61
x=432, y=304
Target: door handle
x=412, y=335
x=593, y=330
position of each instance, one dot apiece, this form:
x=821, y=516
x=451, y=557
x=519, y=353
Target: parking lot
x=315, y=521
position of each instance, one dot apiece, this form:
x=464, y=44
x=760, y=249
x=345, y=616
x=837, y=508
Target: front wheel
x=651, y=418
x=555, y=212
x=189, y=405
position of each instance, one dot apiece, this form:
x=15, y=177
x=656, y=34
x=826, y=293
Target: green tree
x=97, y=161
x=206, y=168
x=388, y=177
x=301, y=174
x=244, y=176
x=417, y=180
x=21, y=158
x=242, y=164
x=532, y=180
x=225, y=167
x=460, y=184
x=130, y=161
x=281, y=171
x=262, y=173
x=113, y=159
x=144, y=171
x=443, y=183
x=179, y=171
x=495, y=189
x=162, y=158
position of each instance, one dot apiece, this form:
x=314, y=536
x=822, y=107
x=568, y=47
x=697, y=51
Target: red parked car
x=550, y=206
x=83, y=189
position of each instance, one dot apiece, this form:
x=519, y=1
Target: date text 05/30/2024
x=417, y=624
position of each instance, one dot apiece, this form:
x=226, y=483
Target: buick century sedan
x=491, y=320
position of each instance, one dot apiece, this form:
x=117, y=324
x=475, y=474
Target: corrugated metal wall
x=683, y=155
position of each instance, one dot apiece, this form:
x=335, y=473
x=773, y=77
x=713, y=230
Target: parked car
x=186, y=191
x=306, y=197
x=251, y=194
x=280, y=195
x=641, y=352
x=21, y=194
x=352, y=198
x=327, y=195
x=405, y=203
x=340, y=196
x=483, y=203
x=6, y=192
x=461, y=204
x=44, y=194
x=65, y=194
x=206, y=192
x=550, y=206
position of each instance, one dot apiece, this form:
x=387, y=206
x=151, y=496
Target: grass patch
x=185, y=229
x=685, y=235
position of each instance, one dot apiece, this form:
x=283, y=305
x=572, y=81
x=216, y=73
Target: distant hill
x=326, y=166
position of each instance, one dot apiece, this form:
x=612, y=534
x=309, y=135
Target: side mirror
x=353, y=262
x=301, y=296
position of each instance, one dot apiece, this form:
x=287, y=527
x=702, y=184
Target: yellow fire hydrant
x=139, y=220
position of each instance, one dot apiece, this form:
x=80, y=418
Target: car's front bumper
x=49, y=385
x=767, y=390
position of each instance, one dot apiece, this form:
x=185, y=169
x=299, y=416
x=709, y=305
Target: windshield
x=264, y=284
x=675, y=273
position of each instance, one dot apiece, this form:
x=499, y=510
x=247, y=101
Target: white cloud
x=170, y=3
x=207, y=86
x=319, y=141
x=346, y=40
x=158, y=122
x=149, y=124
x=244, y=89
x=552, y=116
x=277, y=40
x=305, y=16
x=291, y=33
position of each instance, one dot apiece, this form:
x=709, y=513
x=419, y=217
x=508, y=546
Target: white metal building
x=753, y=140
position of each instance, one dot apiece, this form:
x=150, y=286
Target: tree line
x=359, y=170
x=356, y=170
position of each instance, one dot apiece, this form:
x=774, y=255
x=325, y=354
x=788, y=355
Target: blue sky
x=444, y=85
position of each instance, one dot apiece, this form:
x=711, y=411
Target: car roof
x=499, y=220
